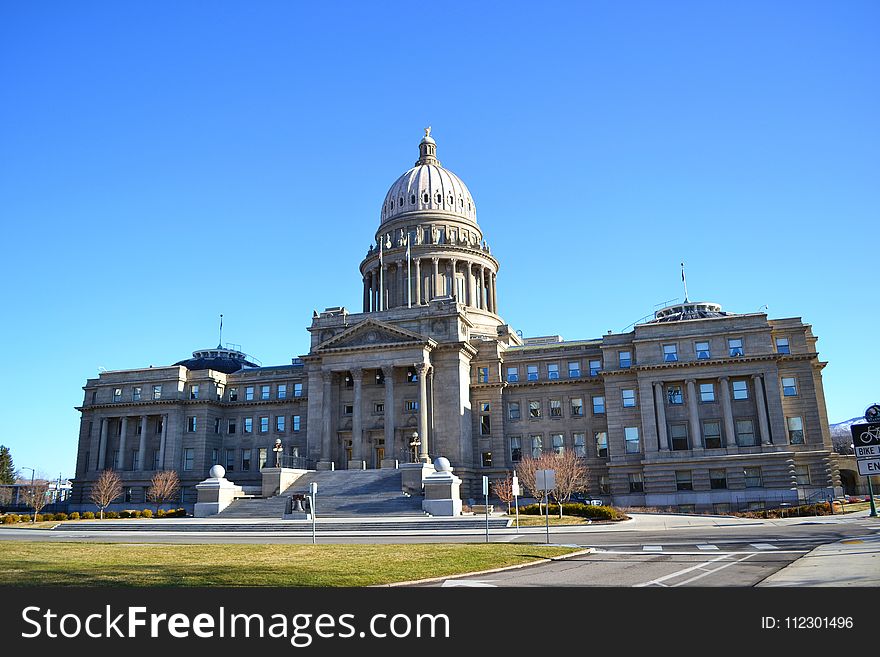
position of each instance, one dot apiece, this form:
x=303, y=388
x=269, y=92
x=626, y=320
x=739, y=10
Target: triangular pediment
x=371, y=332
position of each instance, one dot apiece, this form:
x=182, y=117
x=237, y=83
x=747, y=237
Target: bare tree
x=163, y=488
x=571, y=476
x=503, y=490
x=5, y=495
x=107, y=487
x=36, y=495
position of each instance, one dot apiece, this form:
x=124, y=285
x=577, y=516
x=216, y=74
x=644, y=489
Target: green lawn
x=122, y=564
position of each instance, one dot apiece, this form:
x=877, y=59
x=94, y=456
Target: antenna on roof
x=220, y=345
x=684, y=281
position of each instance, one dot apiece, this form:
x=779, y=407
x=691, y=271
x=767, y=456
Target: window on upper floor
x=217, y=425
x=537, y=445
x=297, y=389
x=264, y=424
x=789, y=386
x=595, y=367
x=574, y=369
x=379, y=378
x=602, y=444
x=282, y=391
x=624, y=359
x=296, y=422
x=191, y=424
x=782, y=346
x=249, y=425
x=745, y=433
x=707, y=392
x=157, y=392
x=483, y=375
x=279, y=423
x=188, y=458
x=532, y=372
x=136, y=393
x=378, y=407
x=629, y=397
x=553, y=371
x=579, y=440
x=740, y=390
x=795, y=430
x=117, y=394
x=631, y=436
x=678, y=435
x=534, y=409
x=735, y=347
x=411, y=375
x=670, y=353
x=265, y=392
x=576, y=404
x=233, y=394
x=555, y=408
x=411, y=405
x=557, y=443
x=673, y=395
x=516, y=449
x=712, y=434
x=486, y=459
x=231, y=427
x=513, y=410
x=512, y=375
x=702, y=350
x=598, y=405
x=245, y=460
x=249, y=393
x=194, y=391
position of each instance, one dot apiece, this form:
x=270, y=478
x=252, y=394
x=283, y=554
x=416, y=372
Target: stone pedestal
x=442, y=491
x=412, y=475
x=215, y=493
x=357, y=465
x=389, y=464
x=325, y=465
x=278, y=480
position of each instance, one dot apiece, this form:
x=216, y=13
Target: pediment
x=372, y=333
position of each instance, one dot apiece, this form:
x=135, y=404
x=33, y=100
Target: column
x=482, y=296
x=436, y=262
x=383, y=288
x=121, y=464
x=417, y=297
x=761, y=407
x=357, y=451
x=328, y=410
x=422, y=370
x=470, y=284
x=374, y=286
x=366, y=293
x=401, y=282
x=102, y=447
x=727, y=413
x=453, y=287
x=142, y=446
x=390, y=413
x=162, y=441
x=694, y=415
x=491, y=286
x=495, y=292
x=660, y=404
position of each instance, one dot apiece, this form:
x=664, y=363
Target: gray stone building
x=696, y=409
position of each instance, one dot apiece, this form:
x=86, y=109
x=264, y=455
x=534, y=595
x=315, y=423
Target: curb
x=563, y=557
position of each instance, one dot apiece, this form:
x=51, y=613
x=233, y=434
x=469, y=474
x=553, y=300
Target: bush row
x=12, y=518
x=819, y=509
x=576, y=509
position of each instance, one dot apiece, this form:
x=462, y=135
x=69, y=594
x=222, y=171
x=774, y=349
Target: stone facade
x=696, y=409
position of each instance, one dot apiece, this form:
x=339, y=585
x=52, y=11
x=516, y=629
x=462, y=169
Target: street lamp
x=278, y=448
x=414, y=446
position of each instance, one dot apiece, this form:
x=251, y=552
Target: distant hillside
x=841, y=436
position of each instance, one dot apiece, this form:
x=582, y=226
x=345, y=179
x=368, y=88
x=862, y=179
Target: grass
x=540, y=521
x=121, y=564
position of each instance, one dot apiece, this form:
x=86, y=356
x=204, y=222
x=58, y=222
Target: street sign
x=873, y=413
x=515, y=486
x=865, y=435
x=869, y=466
x=485, y=485
x=545, y=479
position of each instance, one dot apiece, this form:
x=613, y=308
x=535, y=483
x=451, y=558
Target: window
x=296, y=422
x=598, y=405
x=411, y=376
x=411, y=405
x=249, y=393
x=534, y=409
x=348, y=409
x=248, y=425
x=485, y=418
x=717, y=479
x=604, y=485
x=216, y=425
x=215, y=456
x=512, y=375
x=707, y=392
x=629, y=397
x=574, y=369
x=802, y=473
x=263, y=455
x=160, y=425
x=602, y=444
x=631, y=434
x=557, y=442
x=580, y=444
x=712, y=434
x=782, y=346
x=191, y=424
x=636, y=485
x=577, y=406
x=135, y=460
x=595, y=367
x=380, y=378
x=349, y=382
x=245, y=460
x=513, y=412
x=678, y=433
x=795, y=430
x=487, y=459
x=670, y=353
x=553, y=371
x=233, y=394
x=789, y=386
x=279, y=423
x=740, y=390
x=297, y=389
x=115, y=465
x=155, y=459
x=231, y=427
x=683, y=480
x=673, y=394
x=264, y=424
x=188, y=456
x=230, y=460
x=265, y=391
x=157, y=392
x=194, y=391
x=532, y=372
x=136, y=394
x=702, y=350
x=625, y=359
x=752, y=477
x=483, y=375
x=516, y=449
x=282, y=391
x=555, y=408
x=735, y=346
x=721, y=508
x=117, y=394
x=745, y=433
x=379, y=407
x=219, y=391
x=537, y=443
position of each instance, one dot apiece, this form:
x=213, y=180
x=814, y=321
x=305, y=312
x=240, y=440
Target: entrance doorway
x=348, y=451
x=380, y=451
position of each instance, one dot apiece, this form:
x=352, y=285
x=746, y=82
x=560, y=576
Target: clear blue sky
x=163, y=163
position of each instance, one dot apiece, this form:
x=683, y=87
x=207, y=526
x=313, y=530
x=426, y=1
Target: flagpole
x=684, y=280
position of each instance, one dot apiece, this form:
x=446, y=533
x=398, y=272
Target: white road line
x=652, y=548
x=763, y=546
x=707, y=547
x=659, y=581
x=715, y=570
x=468, y=582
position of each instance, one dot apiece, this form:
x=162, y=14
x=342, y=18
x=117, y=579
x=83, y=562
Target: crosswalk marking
x=763, y=546
x=652, y=548
x=707, y=547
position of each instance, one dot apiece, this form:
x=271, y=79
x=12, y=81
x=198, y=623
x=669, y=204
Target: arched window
x=401, y=202
x=412, y=198
x=425, y=197
x=439, y=198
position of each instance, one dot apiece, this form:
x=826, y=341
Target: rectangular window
x=604, y=485
x=595, y=367
x=745, y=433
x=115, y=465
x=231, y=427
x=513, y=412
x=249, y=393
x=740, y=390
x=795, y=430
x=219, y=391
x=670, y=353
x=136, y=394
x=782, y=346
x=155, y=459
x=557, y=442
x=678, y=434
x=380, y=378
x=534, y=409
x=487, y=459
x=532, y=372
x=348, y=409
x=789, y=386
x=717, y=479
x=553, y=371
x=263, y=455
x=712, y=434
x=249, y=425
x=279, y=423
x=485, y=407
x=683, y=480
x=602, y=444
x=574, y=369
x=233, y=394
x=191, y=424
x=117, y=394
x=297, y=389
x=625, y=359
x=516, y=449
x=512, y=375
x=752, y=477
x=411, y=405
x=157, y=392
x=194, y=392
x=230, y=460
x=721, y=508
x=635, y=482
x=631, y=434
x=577, y=406
x=135, y=460
x=215, y=456
x=411, y=376
x=537, y=444
x=296, y=422
x=598, y=406
x=580, y=444
x=555, y=408
x=264, y=424
x=483, y=375
x=707, y=392
x=245, y=460
x=188, y=457
x=485, y=425
x=629, y=397
x=282, y=391
x=217, y=425
x=702, y=350
x=802, y=472
x=673, y=394
x=265, y=392
x=735, y=346
x=379, y=407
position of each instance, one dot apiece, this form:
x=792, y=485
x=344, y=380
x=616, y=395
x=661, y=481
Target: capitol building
x=698, y=408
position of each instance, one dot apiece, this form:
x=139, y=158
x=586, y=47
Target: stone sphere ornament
x=441, y=464
x=217, y=472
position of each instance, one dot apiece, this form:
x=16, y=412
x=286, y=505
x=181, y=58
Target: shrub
x=136, y=513
x=111, y=515
x=73, y=516
x=125, y=514
x=146, y=513
x=177, y=513
x=576, y=509
x=60, y=516
x=88, y=515
x=10, y=520
x=160, y=513
x=39, y=517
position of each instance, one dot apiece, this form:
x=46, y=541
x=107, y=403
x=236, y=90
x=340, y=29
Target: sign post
x=545, y=480
x=486, y=496
x=866, y=444
x=313, y=494
x=515, y=490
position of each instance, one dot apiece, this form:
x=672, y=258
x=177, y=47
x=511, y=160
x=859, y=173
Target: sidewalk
x=852, y=562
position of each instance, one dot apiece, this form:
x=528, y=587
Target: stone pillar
x=102, y=447
x=482, y=296
x=417, y=297
x=761, y=407
x=124, y=430
x=366, y=293
x=491, y=286
x=401, y=286
x=327, y=382
x=436, y=262
x=727, y=413
x=383, y=288
x=162, y=441
x=470, y=284
x=357, y=435
x=422, y=370
x=142, y=447
x=374, y=297
x=660, y=403
x=694, y=415
x=453, y=287
x=390, y=460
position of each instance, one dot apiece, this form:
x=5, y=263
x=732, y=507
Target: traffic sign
x=869, y=466
x=545, y=479
x=865, y=435
x=873, y=413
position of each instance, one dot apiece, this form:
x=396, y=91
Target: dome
x=218, y=359
x=681, y=312
x=428, y=187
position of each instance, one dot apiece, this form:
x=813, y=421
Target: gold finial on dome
x=428, y=131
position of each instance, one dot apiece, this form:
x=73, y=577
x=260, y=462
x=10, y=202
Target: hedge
x=576, y=509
